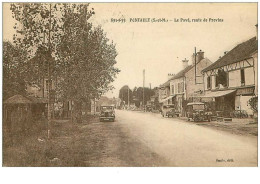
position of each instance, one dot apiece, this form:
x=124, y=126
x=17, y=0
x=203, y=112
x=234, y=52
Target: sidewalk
x=236, y=126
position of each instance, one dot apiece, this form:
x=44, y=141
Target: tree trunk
x=77, y=112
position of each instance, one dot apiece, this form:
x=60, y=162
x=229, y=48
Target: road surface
x=150, y=140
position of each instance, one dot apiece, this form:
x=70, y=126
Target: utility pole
x=49, y=77
x=143, y=86
x=195, y=68
x=128, y=98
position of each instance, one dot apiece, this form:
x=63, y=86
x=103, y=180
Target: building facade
x=232, y=80
x=188, y=82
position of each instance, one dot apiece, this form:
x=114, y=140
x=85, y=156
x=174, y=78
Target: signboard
x=246, y=91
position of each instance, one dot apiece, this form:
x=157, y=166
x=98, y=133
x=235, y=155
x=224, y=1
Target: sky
x=160, y=47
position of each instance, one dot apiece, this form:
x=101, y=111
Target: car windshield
x=198, y=107
x=107, y=108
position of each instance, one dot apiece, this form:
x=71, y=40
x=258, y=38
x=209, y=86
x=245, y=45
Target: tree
x=136, y=95
x=147, y=94
x=88, y=58
x=64, y=45
x=14, y=71
x=123, y=94
x=38, y=25
x=39, y=28
x=253, y=103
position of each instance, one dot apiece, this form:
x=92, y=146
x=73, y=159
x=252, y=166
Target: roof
x=38, y=100
x=107, y=105
x=167, y=83
x=241, y=52
x=167, y=98
x=178, y=75
x=196, y=103
x=18, y=99
x=218, y=93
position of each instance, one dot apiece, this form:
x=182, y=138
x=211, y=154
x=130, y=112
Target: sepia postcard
x=130, y=85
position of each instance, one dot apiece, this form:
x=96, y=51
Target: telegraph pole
x=143, y=86
x=128, y=98
x=195, y=54
x=49, y=78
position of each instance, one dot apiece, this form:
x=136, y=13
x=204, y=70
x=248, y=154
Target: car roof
x=168, y=105
x=196, y=103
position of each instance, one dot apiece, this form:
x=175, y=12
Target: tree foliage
x=135, y=95
x=38, y=25
x=253, y=102
x=62, y=43
x=138, y=94
x=123, y=94
x=14, y=70
x=87, y=55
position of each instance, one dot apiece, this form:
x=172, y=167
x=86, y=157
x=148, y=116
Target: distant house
x=164, y=93
x=232, y=80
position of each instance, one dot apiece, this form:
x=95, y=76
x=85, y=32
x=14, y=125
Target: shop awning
x=167, y=98
x=215, y=94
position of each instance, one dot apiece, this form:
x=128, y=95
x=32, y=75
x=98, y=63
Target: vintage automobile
x=171, y=113
x=168, y=110
x=148, y=108
x=197, y=111
x=107, y=113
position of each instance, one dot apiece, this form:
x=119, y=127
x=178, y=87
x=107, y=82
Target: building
x=194, y=78
x=178, y=88
x=164, y=92
x=188, y=82
x=231, y=81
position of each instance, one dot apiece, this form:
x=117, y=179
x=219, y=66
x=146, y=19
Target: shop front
x=222, y=102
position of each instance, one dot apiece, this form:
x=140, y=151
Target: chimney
x=185, y=63
x=225, y=52
x=199, y=57
x=256, y=31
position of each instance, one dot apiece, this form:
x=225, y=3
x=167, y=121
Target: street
x=135, y=139
x=184, y=144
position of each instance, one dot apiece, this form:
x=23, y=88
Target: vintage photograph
x=130, y=85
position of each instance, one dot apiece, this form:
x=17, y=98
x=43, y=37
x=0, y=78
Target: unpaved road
x=145, y=139
x=134, y=139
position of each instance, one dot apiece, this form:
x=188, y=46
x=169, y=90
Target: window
x=209, y=82
x=222, y=77
x=180, y=87
x=172, y=89
x=242, y=72
x=216, y=81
